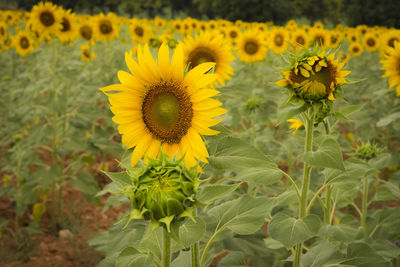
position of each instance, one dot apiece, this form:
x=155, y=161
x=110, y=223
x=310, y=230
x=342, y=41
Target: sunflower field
x=127, y=141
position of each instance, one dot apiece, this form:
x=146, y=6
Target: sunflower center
x=320, y=40
x=2, y=31
x=392, y=41
x=371, y=42
x=233, y=34
x=66, y=26
x=251, y=47
x=278, y=40
x=167, y=112
x=105, y=27
x=356, y=49
x=300, y=40
x=86, y=32
x=333, y=39
x=24, y=42
x=47, y=18
x=86, y=53
x=200, y=55
x=139, y=31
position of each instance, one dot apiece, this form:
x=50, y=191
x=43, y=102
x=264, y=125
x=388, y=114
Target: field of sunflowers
x=185, y=142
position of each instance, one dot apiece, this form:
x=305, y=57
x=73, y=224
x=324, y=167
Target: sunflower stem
x=327, y=210
x=167, y=248
x=364, y=206
x=306, y=180
x=195, y=249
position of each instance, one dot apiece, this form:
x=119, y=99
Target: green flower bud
x=253, y=103
x=366, y=151
x=163, y=191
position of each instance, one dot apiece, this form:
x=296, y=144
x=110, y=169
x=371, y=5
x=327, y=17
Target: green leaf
x=340, y=232
x=183, y=260
x=322, y=255
x=290, y=231
x=328, y=155
x=191, y=232
x=259, y=175
x=362, y=255
x=233, y=259
x=87, y=185
x=234, y=153
x=131, y=257
x=243, y=216
x=210, y=193
x=388, y=119
x=272, y=243
x=346, y=111
x=121, y=178
x=288, y=111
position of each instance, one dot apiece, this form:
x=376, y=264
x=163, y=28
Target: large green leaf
x=322, y=255
x=191, y=232
x=210, y=193
x=243, y=216
x=328, y=155
x=290, y=231
x=259, y=175
x=233, y=259
x=131, y=257
x=361, y=254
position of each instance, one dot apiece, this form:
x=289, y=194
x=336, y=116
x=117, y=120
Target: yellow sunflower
x=390, y=64
x=320, y=37
x=105, y=27
x=177, y=25
x=232, y=33
x=251, y=47
x=314, y=78
x=161, y=106
x=356, y=49
x=390, y=38
x=23, y=43
x=299, y=39
x=140, y=32
x=68, y=30
x=278, y=39
x=370, y=42
x=205, y=47
x=335, y=38
x=159, y=23
x=3, y=31
x=86, y=53
x=46, y=19
x=295, y=124
x=86, y=29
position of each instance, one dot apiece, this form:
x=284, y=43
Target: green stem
x=364, y=203
x=293, y=183
x=306, y=180
x=53, y=204
x=166, y=257
x=314, y=198
x=327, y=210
x=203, y=256
x=195, y=249
x=60, y=203
x=253, y=128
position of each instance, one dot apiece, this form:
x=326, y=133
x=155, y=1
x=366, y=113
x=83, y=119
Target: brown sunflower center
x=66, y=26
x=251, y=47
x=86, y=32
x=356, y=49
x=167, y=112
x=233, y=34
x=300, y=40
x=86, y=53
x=47, y=18
x=392, y=41
x=334, y=40
x=200, y=55
x=2, y=32
x=319, y=40
x=105, y=27
x=24, y=42
x=139, y=31
x=371, y=42
x=278, y=40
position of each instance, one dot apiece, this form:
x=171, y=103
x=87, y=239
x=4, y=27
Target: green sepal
x=167, y=221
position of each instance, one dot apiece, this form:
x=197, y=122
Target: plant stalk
x=166, y=256
x=195, y=249
x=306, y=181
x=364, y=203
x=327, y=210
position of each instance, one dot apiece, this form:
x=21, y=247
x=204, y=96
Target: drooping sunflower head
x=105, y=27
x=314, y=77
x=251, y=47
x=161, y=106
x=391, y=66
x=208, y=47
x=46, y=18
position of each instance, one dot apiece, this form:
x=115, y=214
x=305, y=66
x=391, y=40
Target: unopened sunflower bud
x=366, y=151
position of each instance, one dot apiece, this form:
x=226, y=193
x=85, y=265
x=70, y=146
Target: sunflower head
x=314, y=77
x=163, y=191
x=367, y=151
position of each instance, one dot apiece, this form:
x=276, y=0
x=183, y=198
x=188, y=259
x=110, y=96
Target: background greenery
x=349, y=12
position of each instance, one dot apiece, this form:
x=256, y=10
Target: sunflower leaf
x=328, y=155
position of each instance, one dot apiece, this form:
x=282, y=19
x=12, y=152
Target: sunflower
x=202, y=26
x=232, y=33
x=68, y=29
x=355, y=49
x=370, y=42
x=318, y=25
x=3, y=31
x=314, y=77
x=105, y=27
x=23, y=43
x=295, y=124
x=343, y=57
x=299, y=39
x=205, y=47
x=212, y=25
x=251, y=47
x=46, y=19
x=140, y=32
x=86, y=53
x=159, y=23
x=390, y=38
x=320, y=37
x=278, y=40
x=177, y=25
x=335, y=38
x=161, y=106
x=390, y=64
